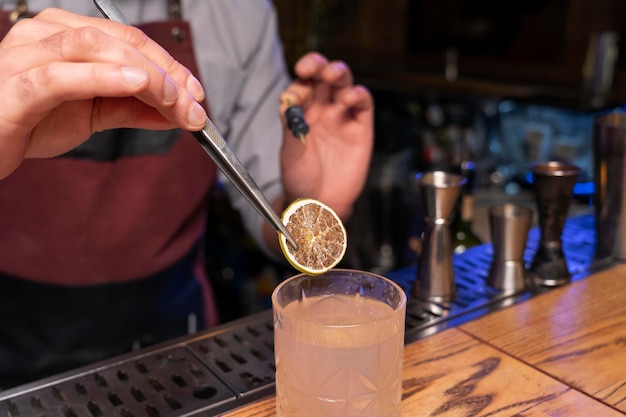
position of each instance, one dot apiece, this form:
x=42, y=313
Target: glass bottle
x=463, y=237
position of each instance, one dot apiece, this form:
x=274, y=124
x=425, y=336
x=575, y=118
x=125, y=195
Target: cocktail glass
x=338, y=343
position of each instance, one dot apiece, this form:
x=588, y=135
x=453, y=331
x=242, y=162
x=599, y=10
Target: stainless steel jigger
x=509, y=225
x=553, y=184
x=435, y=275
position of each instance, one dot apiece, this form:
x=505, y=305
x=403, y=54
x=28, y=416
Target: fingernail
x=134, y=76
x=196, y=115
x=194, y=86
x=170, y=92
x=338, y=67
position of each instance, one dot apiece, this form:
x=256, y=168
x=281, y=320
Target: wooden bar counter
x=561, y=353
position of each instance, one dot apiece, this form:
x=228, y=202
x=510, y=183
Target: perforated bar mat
x=209, y=373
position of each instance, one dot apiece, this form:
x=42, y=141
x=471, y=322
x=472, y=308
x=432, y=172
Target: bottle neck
x=467, y=208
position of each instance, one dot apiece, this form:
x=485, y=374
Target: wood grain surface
x=576, y=333
x=454, y=374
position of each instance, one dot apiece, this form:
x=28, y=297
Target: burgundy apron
x=93, y=253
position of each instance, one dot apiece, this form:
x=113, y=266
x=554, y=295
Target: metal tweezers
x=218, y=149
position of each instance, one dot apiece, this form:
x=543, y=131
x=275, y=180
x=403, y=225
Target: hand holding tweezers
x=218, y=149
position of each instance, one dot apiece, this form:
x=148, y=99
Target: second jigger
x=553, y=183
x=509, y=227
x=435, y=275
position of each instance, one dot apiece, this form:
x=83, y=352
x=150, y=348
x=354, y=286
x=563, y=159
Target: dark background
x=532, y=43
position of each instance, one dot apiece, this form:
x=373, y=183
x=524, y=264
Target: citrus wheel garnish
x=319, y=234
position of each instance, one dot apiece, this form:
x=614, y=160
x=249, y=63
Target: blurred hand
x=332, y=163
x=64, y=76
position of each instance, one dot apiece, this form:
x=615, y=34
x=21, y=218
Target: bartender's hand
x=65, y=76
x=332, y=163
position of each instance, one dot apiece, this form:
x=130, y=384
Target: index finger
x=130, y=46
x=314, y=66
x=133, y=37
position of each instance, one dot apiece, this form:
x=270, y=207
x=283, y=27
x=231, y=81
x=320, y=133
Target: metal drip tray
x=243, y=358
x=474, y=297
x=216, y=371
x=199, y=376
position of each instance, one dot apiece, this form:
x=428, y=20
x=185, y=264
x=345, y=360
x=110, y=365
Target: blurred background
x=503, y=84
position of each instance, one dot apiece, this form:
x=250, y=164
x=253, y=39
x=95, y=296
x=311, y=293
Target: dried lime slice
x=319, y=234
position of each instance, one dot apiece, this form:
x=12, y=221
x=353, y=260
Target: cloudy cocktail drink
x=338, y=344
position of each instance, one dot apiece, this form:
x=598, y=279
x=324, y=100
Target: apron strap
x=174, y=11
x=8, y=18
x=19, y=13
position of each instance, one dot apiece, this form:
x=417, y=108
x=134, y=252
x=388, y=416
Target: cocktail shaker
x=609, y=176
